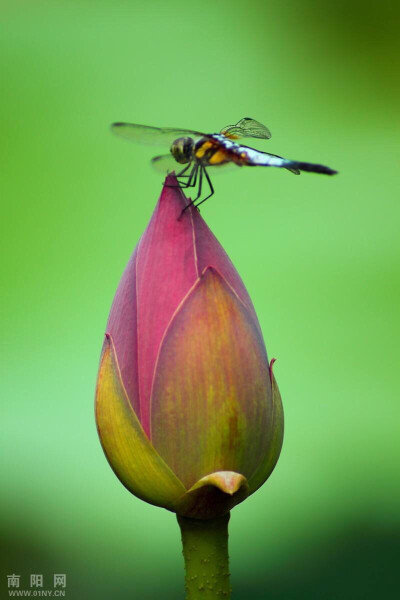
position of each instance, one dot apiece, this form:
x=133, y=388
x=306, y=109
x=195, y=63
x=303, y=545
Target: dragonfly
x=200, y=152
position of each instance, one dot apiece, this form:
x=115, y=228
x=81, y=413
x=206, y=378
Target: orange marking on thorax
x=219, y=157
x=203, y=148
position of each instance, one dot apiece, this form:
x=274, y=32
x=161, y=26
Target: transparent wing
x=223, y=168
x=166, y=164
x=151, y=136
x=247, y=128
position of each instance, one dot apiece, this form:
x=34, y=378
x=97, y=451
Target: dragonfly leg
x=191, y=203
x=211, y=189
x=181, y=173
x=188, y=183
x=200, y=186
x=191, y=182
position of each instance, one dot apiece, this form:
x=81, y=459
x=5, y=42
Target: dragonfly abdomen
x=313, y=168
x=253, y=158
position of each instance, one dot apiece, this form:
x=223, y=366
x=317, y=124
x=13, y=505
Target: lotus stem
x=205, y=550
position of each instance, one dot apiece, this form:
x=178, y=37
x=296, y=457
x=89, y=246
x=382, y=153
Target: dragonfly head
x=182, y=149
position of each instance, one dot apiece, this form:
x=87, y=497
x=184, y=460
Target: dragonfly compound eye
x=182, y=149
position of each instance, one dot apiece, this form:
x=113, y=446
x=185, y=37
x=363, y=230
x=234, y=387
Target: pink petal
x=122, y=324
x=166, y=270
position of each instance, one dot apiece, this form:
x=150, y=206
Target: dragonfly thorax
x=182, y=149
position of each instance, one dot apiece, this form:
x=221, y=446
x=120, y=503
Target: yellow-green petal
x=126, y=446
x=271, y=458
x=212, y=400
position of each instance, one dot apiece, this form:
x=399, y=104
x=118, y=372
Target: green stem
x=205, y=549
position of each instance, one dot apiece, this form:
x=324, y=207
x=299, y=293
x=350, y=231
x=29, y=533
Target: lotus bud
x=187, y=407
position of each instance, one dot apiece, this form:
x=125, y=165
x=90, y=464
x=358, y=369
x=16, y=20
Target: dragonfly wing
x=164, y=163
x=151, y=136
x=294, y=171
x=222, y=168
x=247, y=128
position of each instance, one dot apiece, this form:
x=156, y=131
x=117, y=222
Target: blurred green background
x=320, y=257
